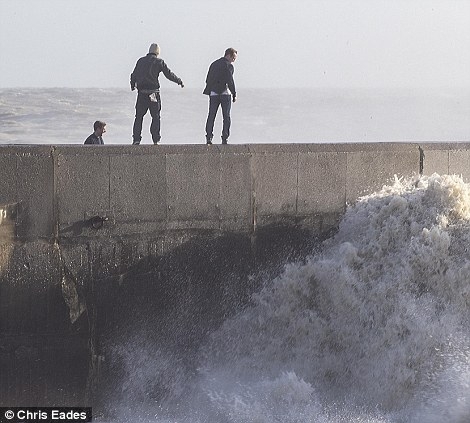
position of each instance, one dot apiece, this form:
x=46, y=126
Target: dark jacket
x=93, y=139
x=219, y=77
x=146, y=72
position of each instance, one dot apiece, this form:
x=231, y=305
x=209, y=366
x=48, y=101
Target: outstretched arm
x=170, y=75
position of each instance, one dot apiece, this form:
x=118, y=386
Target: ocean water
x=373, y=328
x=66, y=116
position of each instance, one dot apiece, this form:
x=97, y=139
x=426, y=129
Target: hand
x=234, y=98
x=182, y=85
x=132, y=88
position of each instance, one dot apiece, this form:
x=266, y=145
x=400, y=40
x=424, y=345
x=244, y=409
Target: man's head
x=99, y=128
x=231, y=54
x=154, y=49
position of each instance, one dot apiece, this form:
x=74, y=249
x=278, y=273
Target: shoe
x=136, y=143
x=224, y=141
x=209, y=142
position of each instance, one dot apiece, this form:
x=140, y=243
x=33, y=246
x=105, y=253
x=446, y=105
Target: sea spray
x=374, y=328
x=378, y=321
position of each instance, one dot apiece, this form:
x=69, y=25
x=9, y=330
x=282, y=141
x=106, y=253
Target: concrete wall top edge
x=234, y=148
x=26, y=149
x=452, y=145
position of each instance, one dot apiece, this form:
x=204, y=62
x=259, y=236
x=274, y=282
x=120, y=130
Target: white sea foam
x=373, y=329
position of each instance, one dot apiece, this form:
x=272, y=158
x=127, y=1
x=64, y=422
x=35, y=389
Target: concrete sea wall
x=95, y=241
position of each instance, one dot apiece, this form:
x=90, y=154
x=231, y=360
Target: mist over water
x=374, y=328
x=66, y=116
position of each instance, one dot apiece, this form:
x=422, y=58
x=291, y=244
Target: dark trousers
x=225, y=101
x=143, y=104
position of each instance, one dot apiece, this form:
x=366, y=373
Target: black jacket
x=93, y=139
x=146, y=72
x=219, y=77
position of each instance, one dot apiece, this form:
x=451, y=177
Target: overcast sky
x=280, y=43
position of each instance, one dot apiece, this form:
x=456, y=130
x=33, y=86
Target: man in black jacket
x=145, y=78
x=219, y=86
x=99, y=128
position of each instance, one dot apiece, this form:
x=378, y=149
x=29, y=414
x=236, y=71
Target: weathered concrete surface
x=96, y=241
x=447, y=158
x=149, y=188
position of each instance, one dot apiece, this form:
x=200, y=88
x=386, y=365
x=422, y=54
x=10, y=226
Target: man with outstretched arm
x=145, y=79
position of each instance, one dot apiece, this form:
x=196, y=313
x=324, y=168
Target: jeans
x=225, y=101
x=144, y=103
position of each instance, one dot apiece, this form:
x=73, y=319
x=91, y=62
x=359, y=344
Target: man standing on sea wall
x=219, y=86
x=145, y=78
